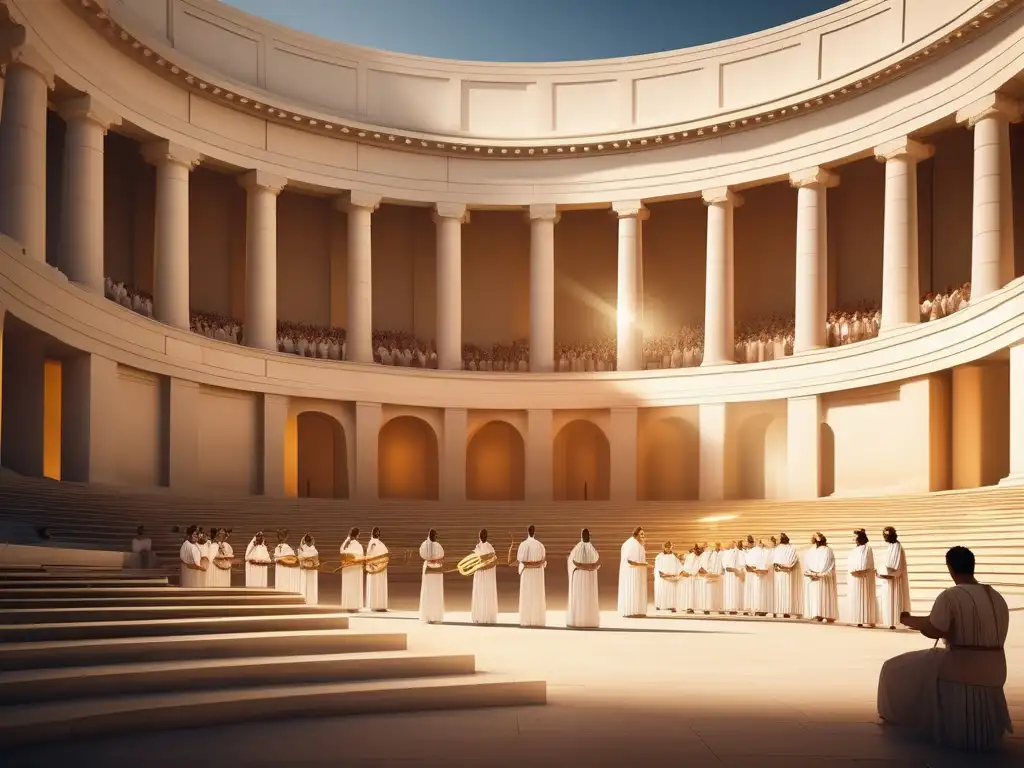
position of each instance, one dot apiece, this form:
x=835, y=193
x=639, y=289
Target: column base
x=713, y=363
x=1013, y=480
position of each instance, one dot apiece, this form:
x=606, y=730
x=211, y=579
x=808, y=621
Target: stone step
x=97, y=630
x=227, y=601
x=162, y=592
x=82, y=653
x=54, y=685
x=132, y=613
x=55, y=582
x=95, y=717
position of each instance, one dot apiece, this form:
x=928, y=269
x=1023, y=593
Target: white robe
x=256, y=575
x=352, y=578
x=190, y=555
x=666, y=593
x=788, y=592
x=532, y=598
x=221, y=576
x=861, y=597
x=632, y=579
x=584, y=609
x=893, y=593
x=286, y=579
x=733, y=583
x=820, y=595
x=708, y=586
x=756, y=600
x=376, y=583
x=309, y=580
x=484, y=604
x=767, y=579
x=208, y=578
x=687, y=584
x=431, y=584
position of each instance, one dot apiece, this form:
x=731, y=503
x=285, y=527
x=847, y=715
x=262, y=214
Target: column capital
x=630, y=209
x=904, y=147
x=721, y=196
x=87, y=108
x=357, y=199
x=252, y=180
x=543, y=212
x=455, y=211
x=17, y=47
x=814, y=177
x=165, y=152
x=992, y=105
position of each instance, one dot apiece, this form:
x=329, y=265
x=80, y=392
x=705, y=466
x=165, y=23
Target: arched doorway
x=582, y=463
x=827, y=481
x=323, y=457
x=761, y=455
x=496, y=464
x=407, y=460
x=670, y=468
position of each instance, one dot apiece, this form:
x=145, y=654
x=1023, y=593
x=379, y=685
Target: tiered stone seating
x=987, y=520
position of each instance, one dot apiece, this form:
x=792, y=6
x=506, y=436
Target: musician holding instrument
x=352, y=572
x=376, y=573
x=532, y=558
x=667, y=570
x=286, y=565
x=257, y=562
x=484, y=605
x=309, y=573
x=191, y=559
x=432, y=585
x=584, y=610
x=633, y=568
x=223, y=559
x=209, y=549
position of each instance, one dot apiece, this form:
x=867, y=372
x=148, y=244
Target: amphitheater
x=257, y=279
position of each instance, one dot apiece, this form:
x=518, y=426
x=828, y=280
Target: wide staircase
x=990, y=521
x=86, y=653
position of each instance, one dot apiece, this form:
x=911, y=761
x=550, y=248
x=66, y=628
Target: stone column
x=812, y=187
x=453, y=467
x=368, y=422
x=181, y=430
x=623, y=459
x=449, y=218
x=539, y=453
x=992, y=221
x=80, y=249
x=359, y=329
x=262, y=190
x=89, y=409
x=542, y=287
x=901, y=295
x=173, y=164
x=630, y=310
x=713, y=422
x=28, y=81
x=803, y=447
x=24, y=401
x=275, y=425
x=719, y=311
x=1016, y=476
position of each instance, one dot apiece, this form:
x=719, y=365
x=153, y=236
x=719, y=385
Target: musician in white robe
x=733, y=579
x=633, y=576
x=708, y=584
x=687, y=597
x=352, y=572
x=666, y=579
x=532, y=558
x=861, y=598
x=767, y=576
x=484, y=601
x=257, y=562
x=953, y=694
x=754, y=562
x=584, y=609
x=286, y=565
x=309, y=573
x=432, y=583
x=820, y=594
x=788, y=579
x=209, y=549
x=376, y=574
x=191, y=559
x=224, y=556
x=894, y=586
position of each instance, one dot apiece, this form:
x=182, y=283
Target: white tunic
x=861, y=598
x=584, y=609
x=685, y=601
x=666, y=593
x=532, y=598
x=431, y=584
x=209, y=550
x=708, y=585
x=352, y=578
x=733, y=582
x=632, y=579
x=256, y=575
x=788, y=584
x=222, y=576
x=767, y=579
x=376, y=583
x=484, y=605
x=309, y=579
x=756, y=601
x=189, y=555
x=286, y=579
x=821, y=597
x=893, y=593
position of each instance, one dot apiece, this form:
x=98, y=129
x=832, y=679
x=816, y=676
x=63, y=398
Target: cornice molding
x=168, y=63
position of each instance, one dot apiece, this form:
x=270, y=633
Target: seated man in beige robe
x=953, y=694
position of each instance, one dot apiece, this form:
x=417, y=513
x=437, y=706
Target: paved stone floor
x=679, y=690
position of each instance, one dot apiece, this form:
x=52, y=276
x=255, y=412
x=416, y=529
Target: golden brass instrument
x=309, y=563
x=372, y=564
x=473, y=562
x=288, y=561
x=226, y=563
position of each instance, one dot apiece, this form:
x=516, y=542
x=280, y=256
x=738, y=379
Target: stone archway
x=827, y=474
x=496, y=464
x=582, y=463
x=670, y=463
x=322, y=457
x=407, y=460
x=761, y=456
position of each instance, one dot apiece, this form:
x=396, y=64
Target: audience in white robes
x=376, y=574
x=532, y=559
x=352, y=572
x=954, y=694
x=861, y=597
x=191, y=556
x=484, y=601
x=788, y=579
x=142, y=549
x=432, y=584
x=894, y=587
x=309, y=569
x=257, y=562
x=286, y=565
x=584, y=609
x=820, y=591
x=666, y=579
x=734, y=565
x=633, y=576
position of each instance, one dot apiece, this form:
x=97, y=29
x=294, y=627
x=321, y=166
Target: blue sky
x=531, y=30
